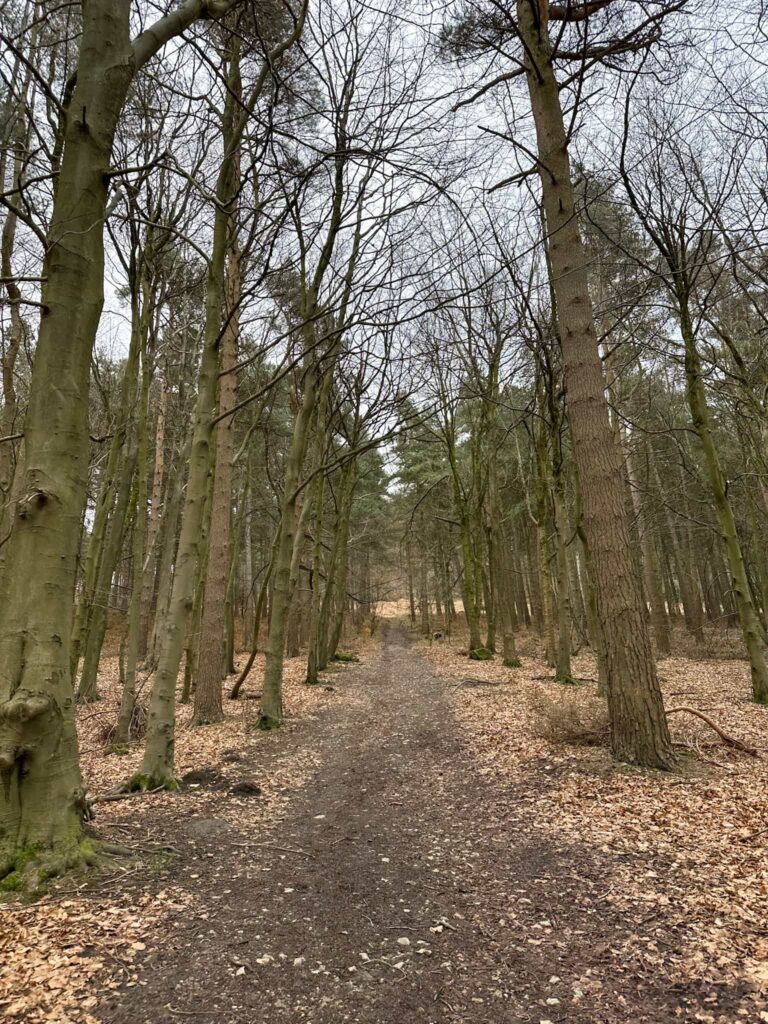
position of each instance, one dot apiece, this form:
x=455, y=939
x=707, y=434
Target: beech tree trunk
x=169, y=535
x=211, y=662
x=114, y=470
x=41, y=796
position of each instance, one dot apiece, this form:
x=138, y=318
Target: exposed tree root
x=28, y=869
x=568, y=681
x=730, y=741
x=126, y=794
x=140, y=783
x=213, y=719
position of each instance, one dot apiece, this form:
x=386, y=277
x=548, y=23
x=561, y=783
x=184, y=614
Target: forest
x=384, y=511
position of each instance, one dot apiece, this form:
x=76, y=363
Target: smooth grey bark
x=211, y=662
x=43, y=805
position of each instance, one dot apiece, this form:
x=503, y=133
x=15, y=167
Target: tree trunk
x=751, y=628
x=153, y=528
x=650, y=565
x=211, y=662
x=15, y=335
x=426, y=628
x=261, y=604
x=169, y=532
x=689, y=594
x=192, y=643
x=133, y=639
x=332, y=608
x=239, y=543
x=411, y=594
x=17, y=143
x=41, y=799
x=639, y=732
x=157, y=768
x=471, y=595
x=271, y=715
x=312, y=678
x=110, y=484
x=500, y=557
x=293, y=622
x=87, y=691
x=563, y=660
x=545, y=578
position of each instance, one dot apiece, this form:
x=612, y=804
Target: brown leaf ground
x=55, y=953
x=419, y=800
x=689, y=851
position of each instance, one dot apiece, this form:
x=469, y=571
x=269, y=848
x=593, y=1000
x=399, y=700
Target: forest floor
x=419, y=844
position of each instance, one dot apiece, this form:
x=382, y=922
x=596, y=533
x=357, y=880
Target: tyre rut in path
x=402, y=885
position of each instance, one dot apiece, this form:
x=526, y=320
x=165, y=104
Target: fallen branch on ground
x=730, y=741
x=123, y=795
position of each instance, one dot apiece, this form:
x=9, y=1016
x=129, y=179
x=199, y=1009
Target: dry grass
x=565, y=718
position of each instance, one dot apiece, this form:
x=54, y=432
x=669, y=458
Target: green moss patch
x=481, y=654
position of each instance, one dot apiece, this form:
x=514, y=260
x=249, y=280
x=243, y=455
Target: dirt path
x=402, y=885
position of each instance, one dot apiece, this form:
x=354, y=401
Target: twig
x=381, y=960
x=731, y=741
x=696, y=748
x=752, y=835
x=124, y=796
x=280, y=849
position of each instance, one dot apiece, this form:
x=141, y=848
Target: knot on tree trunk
x=26, y=719
x=32, y=502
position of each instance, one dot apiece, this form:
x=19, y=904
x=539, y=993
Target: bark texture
x=157, y=768
x=41, y=795
x=211, y=662
x=639, y=732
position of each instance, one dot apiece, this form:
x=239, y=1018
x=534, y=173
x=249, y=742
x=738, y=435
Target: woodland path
x=397, y=831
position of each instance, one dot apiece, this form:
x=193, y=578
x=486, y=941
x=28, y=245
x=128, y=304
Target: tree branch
x=576, y=11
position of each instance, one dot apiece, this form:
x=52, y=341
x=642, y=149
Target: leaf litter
x=689, y=850
x=88, y=935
